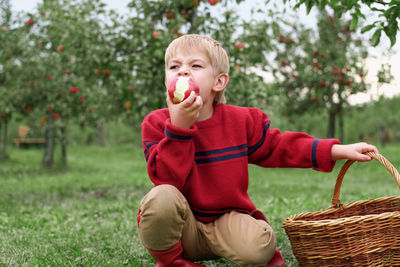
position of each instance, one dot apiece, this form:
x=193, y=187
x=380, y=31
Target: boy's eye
x=196, y=66
x=173, y=67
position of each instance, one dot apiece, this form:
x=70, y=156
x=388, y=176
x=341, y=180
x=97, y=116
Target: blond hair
x=216, y=54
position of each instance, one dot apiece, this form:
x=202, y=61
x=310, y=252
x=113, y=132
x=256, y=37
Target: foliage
x=78, y=63
x=377, y=121
x=319, y=72
x=387, y=10
x=158, y=22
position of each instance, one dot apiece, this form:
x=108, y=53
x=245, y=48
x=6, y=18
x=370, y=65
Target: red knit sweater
x=209, y=162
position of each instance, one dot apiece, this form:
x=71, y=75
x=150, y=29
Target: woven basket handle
x=335, y=200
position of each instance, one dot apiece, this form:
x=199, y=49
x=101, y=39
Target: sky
x=379, y=54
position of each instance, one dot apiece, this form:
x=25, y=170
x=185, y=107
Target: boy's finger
x=363, y=157
x=189, y=101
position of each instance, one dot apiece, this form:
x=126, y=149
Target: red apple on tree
x=239, y=46
x=73, y=90
x=336, y=71
x=30, y=22
x=60, y=48
x=212, y=2
x=180, y=88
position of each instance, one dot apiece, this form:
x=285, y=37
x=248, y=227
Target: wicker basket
x=360, y=233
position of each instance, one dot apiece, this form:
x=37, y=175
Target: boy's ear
x=221, y=82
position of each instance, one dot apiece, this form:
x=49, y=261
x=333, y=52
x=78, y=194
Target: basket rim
x=299, y=218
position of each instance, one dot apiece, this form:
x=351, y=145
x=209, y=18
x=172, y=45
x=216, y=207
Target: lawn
x=86, y=215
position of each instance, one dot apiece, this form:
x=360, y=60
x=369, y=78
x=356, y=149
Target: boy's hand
x=185, y=114
x=352, y=151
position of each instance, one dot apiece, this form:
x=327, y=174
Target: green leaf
x=391, y=31
x=376, y=37
x=367, y=28
x=354, y=22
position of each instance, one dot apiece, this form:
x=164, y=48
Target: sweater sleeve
x=270, y=148
x=169, y=151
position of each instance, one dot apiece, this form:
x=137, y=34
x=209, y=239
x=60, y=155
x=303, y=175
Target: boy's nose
x=184, y=72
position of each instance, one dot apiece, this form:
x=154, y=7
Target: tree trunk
x=48, y=157
x=100, y=132
x=331, y=125
x=64, y=146
x=341, y=128
x=3, y=140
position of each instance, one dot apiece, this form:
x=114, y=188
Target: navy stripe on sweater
x=254, y=148
x=314, y=153
x=147, y=145
x=175, y=136
x=219, y=151
x=221, y=158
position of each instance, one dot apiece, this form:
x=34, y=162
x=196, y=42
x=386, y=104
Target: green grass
x=86, y=215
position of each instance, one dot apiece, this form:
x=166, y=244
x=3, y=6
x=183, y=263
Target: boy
x=197, y=155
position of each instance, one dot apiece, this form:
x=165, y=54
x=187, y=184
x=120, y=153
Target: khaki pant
x=166, y=218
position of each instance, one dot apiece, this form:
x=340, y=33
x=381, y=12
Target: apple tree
x=155, y=24
x=73, y=56
x=5, y=65
x=387, y=14
x=11, y=48
x=318, y=72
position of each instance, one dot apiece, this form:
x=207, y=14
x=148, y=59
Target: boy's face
x=194, y=63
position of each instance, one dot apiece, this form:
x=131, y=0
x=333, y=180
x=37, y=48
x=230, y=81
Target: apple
x=336, y=71
x=155, y=33
x=180, y=88
x=239, y=46
x=43, y=121
x=107, y=73
x=170, y=15
x=73, y=90
x=56, y=116
x=30, y=22
x=60, y=48
x=284, y=63
x=195, y=3
x=213, y=2
x=127, y=105
x=32, y=83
